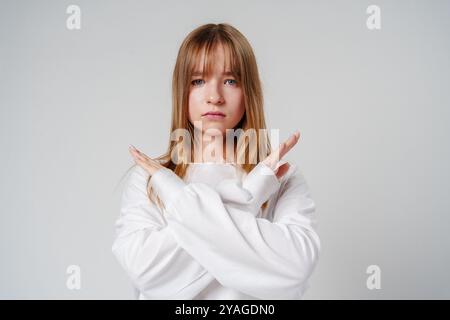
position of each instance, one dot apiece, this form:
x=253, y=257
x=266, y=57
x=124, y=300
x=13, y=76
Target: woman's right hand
x=148, y=164
x=272, y=160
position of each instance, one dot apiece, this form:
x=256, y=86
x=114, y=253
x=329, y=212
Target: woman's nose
x=216, y=99
x=214, y=96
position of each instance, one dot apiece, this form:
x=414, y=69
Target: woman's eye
x=233, y=81
x=196, y=82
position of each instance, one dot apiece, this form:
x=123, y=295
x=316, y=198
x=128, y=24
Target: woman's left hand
x=150, y=165
x=275, y=157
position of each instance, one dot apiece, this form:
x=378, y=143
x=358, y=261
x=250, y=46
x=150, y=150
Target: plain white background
x=372, y=108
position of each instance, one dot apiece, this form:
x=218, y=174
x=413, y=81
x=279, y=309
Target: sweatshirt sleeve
x=219, y=228
x=156, y=264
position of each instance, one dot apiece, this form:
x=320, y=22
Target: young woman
x=191, y=228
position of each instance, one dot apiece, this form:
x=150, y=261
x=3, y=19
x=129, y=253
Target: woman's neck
x=212, y=149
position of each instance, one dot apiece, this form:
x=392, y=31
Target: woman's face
x=220, y=92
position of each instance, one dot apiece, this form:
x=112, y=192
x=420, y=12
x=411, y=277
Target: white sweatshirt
x=213, y=241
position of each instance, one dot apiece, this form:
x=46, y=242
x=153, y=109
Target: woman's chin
x=214, y=129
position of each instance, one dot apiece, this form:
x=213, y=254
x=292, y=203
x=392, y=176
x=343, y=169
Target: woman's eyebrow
x=199, y=73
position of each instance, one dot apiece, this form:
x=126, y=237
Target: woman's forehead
x=218, y=59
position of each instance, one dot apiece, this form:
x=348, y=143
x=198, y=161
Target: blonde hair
x=242, y=62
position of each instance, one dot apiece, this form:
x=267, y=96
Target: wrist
x=166, y=185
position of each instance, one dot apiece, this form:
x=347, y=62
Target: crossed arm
x=215, y=234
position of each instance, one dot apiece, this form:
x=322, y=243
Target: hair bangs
x=206, y=49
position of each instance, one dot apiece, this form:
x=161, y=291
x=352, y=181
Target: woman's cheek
x=236, y=98
x=239, y=104
x=194, y=110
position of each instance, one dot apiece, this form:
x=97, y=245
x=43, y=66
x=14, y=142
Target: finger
x=144, y=156
x=274, y=156
x=137, y=158
x=132, y=150
x=285, y=146
x=282, y=170
x=144, y=165
x=147, y=161
x=289, y=143
x=144, y=161
x=135, y=152
x=140, y=160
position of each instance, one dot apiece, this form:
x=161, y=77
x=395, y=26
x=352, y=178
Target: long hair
x=242, y=63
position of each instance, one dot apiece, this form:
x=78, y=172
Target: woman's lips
x=214, y=116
